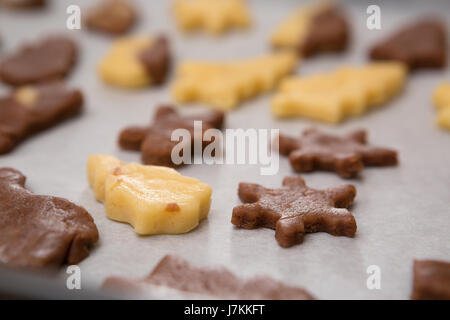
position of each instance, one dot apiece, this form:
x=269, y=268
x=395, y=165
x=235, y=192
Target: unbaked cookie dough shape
x=441, y=99
x=153, y=199
x=135, y=62
x=347, y=91
x=48, y=59
x=223, y=85
x=319, y=26
x=111, y=16
x=213, y=16
x=23, y=4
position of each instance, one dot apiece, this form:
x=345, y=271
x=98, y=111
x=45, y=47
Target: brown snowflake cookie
x=111, y=16
x=22, y=3
x=345, y=155
x=37, y=231
x=154, y=141
x=431, y=280
x=50, y=59
x=31, y=109
x=296, y=209
x=180, y=277
x=420, y=45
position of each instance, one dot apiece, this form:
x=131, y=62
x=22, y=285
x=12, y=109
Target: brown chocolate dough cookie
x=345, y=155
x=31, y=109
x=156, y=59
x=175, y=273
x=329, y=32
x=111, y=16
x=154, y=141
x=431, y=280
x=23, y=3
x=49, y=59
x=37, y=231
x=420, y=45
x=296, y=209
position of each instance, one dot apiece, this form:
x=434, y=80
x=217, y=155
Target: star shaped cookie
x=296, y=209
x=223, y=85
x=214, y=16
x=192, y=282
x=348, y=91
x=346, y=155
x=154, y=141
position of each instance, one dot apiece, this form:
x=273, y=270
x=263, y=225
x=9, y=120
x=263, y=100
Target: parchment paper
x=402, y=212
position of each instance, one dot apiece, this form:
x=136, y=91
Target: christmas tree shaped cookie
x=333, y=96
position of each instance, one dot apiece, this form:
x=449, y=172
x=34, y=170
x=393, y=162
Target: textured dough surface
x=347, y=91
x=153, y=199
x=223, y=85
x=214, y=16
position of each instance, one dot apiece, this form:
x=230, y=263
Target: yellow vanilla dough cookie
x=215, y=16
x=441, y=99
x=348, y=91
x=223, y=85
x=136, y=62
x=153, y=199
x=291, y=32
x=121, y=66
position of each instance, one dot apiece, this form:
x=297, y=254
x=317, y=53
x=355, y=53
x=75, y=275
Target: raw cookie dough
x=346, y=155
x=419, y=45
x=223, y=85
x=295, y=209
x=313, y=28
x=39, y=231
x=111, y=16
x=153, y=199
x=22, y=4
x=192, y=282
x=136, y=62
x=431, y=280
x=35, y=108
x=49, y=59
x=347, y=91
x=214, y=16
x=441, y=99
x=155, y=140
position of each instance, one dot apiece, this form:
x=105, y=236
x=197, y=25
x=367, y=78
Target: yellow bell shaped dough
x=348, y=91
x=441, y=99
x=121, y=66
x=153, y=199
x=223, y=85
x=291, y=32
x=214, y=16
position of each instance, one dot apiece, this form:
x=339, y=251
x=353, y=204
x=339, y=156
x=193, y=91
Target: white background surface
x=402, y=212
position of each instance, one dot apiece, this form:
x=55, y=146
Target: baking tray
x=402, y=212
